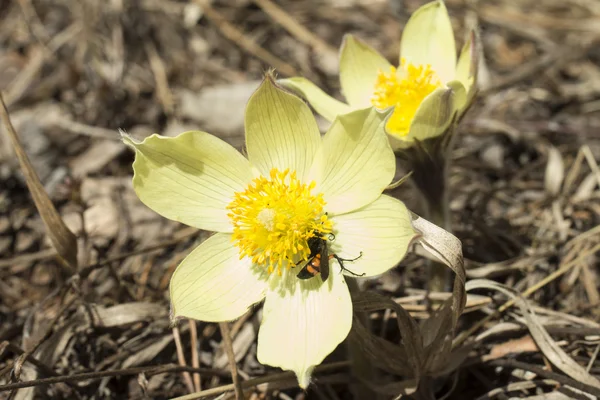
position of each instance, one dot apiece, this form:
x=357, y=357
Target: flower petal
x=303, y=322
x=213, y=284
x=437, y=112
x=466, y=69
x=281, y=131
x=428, y=39
x=355, y=162
x=359, y=66
x=190, y=178
x=382, y=231
x=324, y=105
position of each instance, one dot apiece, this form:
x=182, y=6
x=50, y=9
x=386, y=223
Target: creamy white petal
x=359, y=67
x=213, y=284
x=437, y=111
x=355, y=162
x=190, y=178
x=467, y=67
x=281, y=131
x=325, y=105
x=382, y=231
x=428, y=38
x=303, y=322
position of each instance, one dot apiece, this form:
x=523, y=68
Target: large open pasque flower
x=428, y=89
x=265, y=209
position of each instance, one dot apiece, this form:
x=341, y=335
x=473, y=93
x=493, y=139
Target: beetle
x=318, y=260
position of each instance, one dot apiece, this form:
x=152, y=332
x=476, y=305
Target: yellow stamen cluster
x=274, y=218
x=404, y=89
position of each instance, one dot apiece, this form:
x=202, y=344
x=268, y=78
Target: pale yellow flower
x=428, y=89
x=294, y=185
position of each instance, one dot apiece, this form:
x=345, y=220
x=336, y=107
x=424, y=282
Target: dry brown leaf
x=499, y=328
x=127, y=313
x=515, y=346
x=219, y=108
x=586, y=189
x=50, y=351
x=555, y=171
x=148, y=353
x=448, y=249
x=63, y=240
x=95, y=157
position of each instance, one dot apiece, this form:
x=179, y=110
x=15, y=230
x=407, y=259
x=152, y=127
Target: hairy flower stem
x=438, y=274
x=431, y=179
x=429, y=160
x=360, y=366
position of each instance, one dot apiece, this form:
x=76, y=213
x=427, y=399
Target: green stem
x=430, y=166
x=439, y=275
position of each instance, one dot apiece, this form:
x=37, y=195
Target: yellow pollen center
x=405, y=89
x=274, y=218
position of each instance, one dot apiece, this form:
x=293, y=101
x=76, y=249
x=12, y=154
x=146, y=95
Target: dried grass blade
x=63, y=240
x=228, y=344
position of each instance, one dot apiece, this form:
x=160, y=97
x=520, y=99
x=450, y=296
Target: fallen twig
x=237, y=384
x=150, y=370
x=187, y=378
